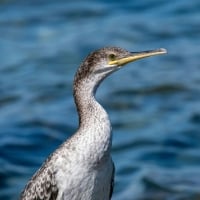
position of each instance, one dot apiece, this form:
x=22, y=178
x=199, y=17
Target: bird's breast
x=84, y=182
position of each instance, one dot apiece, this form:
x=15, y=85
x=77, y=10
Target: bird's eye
x=112, y=56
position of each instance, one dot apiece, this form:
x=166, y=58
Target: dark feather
x=42, y=186
x=112, y=182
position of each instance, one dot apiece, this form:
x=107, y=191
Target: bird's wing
x=42, y=186
x=112, y=181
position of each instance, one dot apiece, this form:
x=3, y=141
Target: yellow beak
x=136, y=56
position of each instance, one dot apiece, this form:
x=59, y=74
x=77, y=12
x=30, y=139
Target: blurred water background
x=154, y=104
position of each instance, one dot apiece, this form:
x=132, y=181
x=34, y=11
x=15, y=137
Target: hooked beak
x=136, y=56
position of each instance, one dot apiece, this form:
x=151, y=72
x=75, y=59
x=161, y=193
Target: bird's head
x=103, y=62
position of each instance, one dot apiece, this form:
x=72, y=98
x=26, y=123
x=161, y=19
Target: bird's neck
x=94, y=123
x=89, y=110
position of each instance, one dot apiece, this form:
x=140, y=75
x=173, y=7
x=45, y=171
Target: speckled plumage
x=42, y=186
x=82, y=167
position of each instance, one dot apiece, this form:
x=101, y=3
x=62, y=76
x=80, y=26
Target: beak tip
x=162, y=50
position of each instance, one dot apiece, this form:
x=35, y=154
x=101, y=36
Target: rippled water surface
x=154, y=104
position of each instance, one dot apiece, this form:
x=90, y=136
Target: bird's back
x=42, y=185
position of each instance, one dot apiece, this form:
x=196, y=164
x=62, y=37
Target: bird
x=81, y=168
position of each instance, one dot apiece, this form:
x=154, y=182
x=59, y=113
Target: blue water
x=154, y=104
